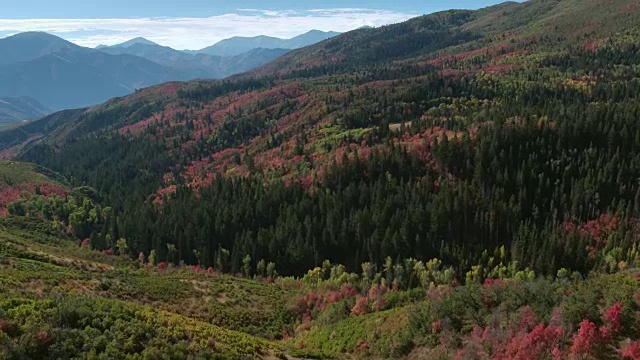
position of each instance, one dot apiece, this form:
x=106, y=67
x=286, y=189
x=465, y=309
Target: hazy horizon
x=194, y=24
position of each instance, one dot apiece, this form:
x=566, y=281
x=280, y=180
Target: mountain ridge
x=240, y=44
x=197, y=64
x=129, y=43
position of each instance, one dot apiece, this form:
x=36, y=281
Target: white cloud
x=343, y=10
x=196, y=33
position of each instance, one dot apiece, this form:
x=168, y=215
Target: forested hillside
x=441, y=153
x=497, y=149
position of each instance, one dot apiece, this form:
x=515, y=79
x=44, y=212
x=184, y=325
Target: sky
x=195, y=24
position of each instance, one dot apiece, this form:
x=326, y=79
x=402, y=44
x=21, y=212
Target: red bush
x=541, y=342
x=490, y=282
x=524, y=339
x=589, y=338
x=162, y=265
x=612, y=316
x=348, y=291
x=9, y=195
x=586, y=338
x=631, y=351
x=528, y=318
x=334, y=297
x=597, y=230
x=361, y=307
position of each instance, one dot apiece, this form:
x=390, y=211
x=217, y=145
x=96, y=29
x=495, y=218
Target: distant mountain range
x=15, y=110
x=61, y=75
x=238, y=45
x=195, y=64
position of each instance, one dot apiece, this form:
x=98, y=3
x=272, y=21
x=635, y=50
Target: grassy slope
x=13, y=173
x=49, y=273
x=382, y=334
x=55, y=296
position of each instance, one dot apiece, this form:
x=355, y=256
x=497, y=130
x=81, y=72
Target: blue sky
x=193, y=24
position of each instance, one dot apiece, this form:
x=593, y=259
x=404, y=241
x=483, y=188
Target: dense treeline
x=515, y=184
x=360, y=217
x=120, y=170
x=211, y=90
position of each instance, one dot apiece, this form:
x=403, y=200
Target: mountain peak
x=134, y=41
x=309, y=38
x=316, y=32
x=32, y=34
x=36, y=36
x=238, y=45
x=30, y=45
